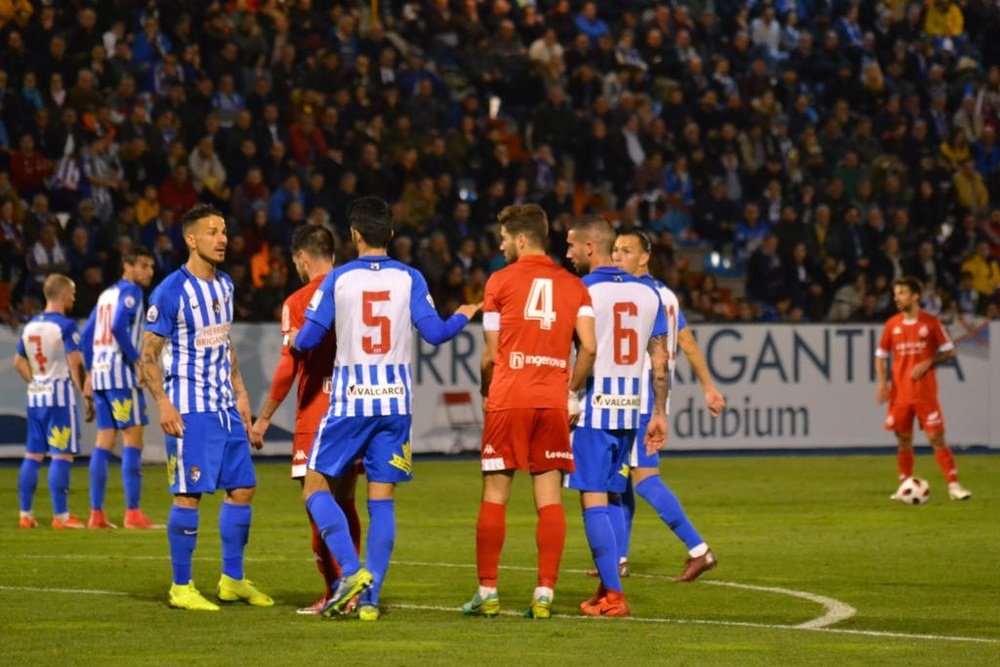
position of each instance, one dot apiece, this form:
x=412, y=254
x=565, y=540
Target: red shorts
x=528, y=439
x=900, y=417
x=301, y=446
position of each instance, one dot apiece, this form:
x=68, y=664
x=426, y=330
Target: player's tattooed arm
x=23, y=368
x=659, y=356
x=152, y=346
x=657, y=431
x=170, y=419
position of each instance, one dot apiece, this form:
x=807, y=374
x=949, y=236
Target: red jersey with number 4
x=909, y=343
x=312, y=368
x=534, y=304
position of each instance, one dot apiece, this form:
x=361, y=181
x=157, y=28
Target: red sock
x=491, y=529
x=904, y=461
x=325, y=562
x=353, y=523
x=550, y=537
x=946, y=462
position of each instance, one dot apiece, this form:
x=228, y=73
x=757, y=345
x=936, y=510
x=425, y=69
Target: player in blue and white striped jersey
x=204, y=409
x=112, y=339
x=630, y=322
x=49, y=360
x=373, y=303
x=632, y=251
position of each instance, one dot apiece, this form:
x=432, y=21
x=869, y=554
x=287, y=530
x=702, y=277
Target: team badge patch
x=923, y=332
x=194, y=474
x=129, y=302
x=76, y=338
x=152, y=314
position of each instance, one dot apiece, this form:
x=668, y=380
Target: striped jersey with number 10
x=119, y=307
x=195, y=317
x=628, y=313
x=372, y=303
x=45, y=342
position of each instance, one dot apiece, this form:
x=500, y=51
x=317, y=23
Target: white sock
x=544, y=592
x=486, y=591
x=28, y=515
x=622, y=559
x=699, y=550
x=62, y=517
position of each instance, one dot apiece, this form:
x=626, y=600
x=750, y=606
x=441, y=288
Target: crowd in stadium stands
x=815, y=149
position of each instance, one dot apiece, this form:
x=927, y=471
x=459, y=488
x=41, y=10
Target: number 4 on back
x=539, y=304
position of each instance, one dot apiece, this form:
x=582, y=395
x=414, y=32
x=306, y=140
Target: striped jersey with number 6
x=534, y=304
x=628, y=313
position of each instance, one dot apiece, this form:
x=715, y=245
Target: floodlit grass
x=817, y=525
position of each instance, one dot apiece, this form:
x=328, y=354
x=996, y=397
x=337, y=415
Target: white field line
x=836, y=610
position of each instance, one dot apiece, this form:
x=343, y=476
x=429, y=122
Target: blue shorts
x=119, y=409
x=214, y=453
x=53, y=430
x=383, y=444
x=601, y=459
x=639, y=458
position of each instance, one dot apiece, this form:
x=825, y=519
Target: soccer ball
x=913, y=491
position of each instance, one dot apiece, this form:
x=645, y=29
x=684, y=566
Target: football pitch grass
x=802, y=542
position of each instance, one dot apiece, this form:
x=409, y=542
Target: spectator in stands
x=985, y=271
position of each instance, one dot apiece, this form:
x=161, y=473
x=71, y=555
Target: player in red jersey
x=917, y=343
x=312, y=253
x=531, y=311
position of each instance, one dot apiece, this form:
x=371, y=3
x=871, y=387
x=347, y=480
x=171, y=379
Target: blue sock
x=98, y=477
x=59, y=485
x=234, y=529
x=381, y=539
x=655, y=492
x=27, y=482
x=617, y=517
x=601, y=537
x=132, y=476
x=182, y=533
x=628, y=512
x=332, y=524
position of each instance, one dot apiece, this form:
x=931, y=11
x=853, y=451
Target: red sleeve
x=884, y=345
x=289, y=363
x=941, y=338
x=490, y=304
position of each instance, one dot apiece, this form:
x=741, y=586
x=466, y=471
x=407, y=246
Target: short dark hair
x=527, y=219
x=314, y=240
x=909, y=282
x=196, y=213
x=372, y=218
x=598, y=228
x=644, y=241
x=135, y=251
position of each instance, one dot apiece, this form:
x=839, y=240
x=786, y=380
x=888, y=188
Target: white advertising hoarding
x=801, y=387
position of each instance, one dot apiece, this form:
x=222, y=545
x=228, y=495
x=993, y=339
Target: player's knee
x=904, y=440
x=240, y=496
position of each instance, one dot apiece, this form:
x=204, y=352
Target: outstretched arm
x=435, y=331
x=715, y=401
x=284, y=378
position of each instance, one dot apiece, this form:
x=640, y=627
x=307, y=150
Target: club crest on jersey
x=129, y=302
x=152, y=314
x=897, y=331
x=76, y=338
x=216, y=306
x=923, y=332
